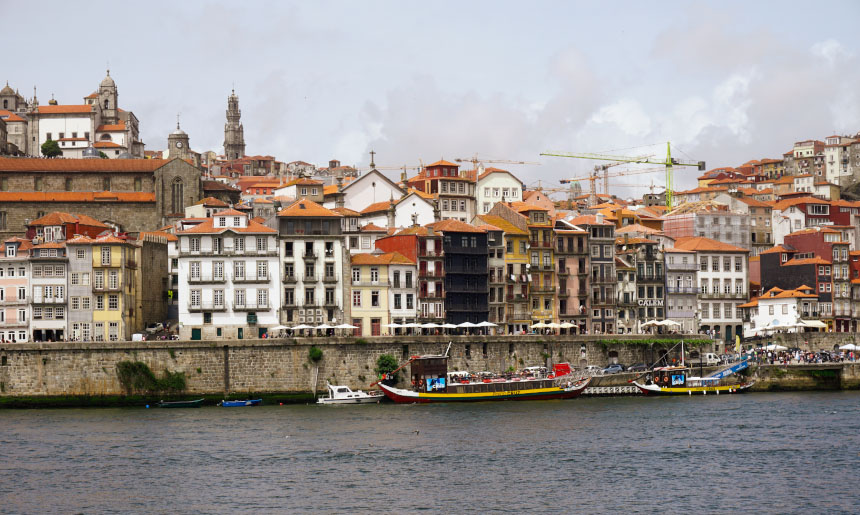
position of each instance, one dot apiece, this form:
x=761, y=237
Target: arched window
x=177, y=204
x=105, y=137
x=107, y=104
x=5, y=104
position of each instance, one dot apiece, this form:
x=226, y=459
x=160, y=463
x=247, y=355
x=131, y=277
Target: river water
x=772, y=453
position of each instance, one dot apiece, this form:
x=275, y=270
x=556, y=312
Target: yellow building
x=542, y=275
x=368, y=294
x=113, y=287
x=517, y=311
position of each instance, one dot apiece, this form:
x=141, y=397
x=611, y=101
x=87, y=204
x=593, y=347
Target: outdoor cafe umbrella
x=345, y=326
x=467, y=325
x=448, y=325
x=670, y=322
x=279, y=328
x=566, y=325
x=487, y=324
x=848, y=346
x=553, y=325
x=324, y=327
x=393, y=325
x=774, y=346
x=302, y=326
x=431, y=325
x=539, y=325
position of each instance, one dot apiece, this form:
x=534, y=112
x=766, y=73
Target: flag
x=737, y=343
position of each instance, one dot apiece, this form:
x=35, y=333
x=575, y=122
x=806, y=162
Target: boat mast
x=682, y=353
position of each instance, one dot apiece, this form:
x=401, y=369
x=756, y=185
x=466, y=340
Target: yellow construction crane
x=475, y=160
x=668, y=163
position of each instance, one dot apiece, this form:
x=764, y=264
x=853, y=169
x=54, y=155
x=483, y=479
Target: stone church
x=132, y=195
x=234, y=133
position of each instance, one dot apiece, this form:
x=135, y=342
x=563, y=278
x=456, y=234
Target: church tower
x=108, y=101
x=234, y=133
x=177, y=144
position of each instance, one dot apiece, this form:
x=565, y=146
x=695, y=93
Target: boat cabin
x=429, y=373
x=670, y=377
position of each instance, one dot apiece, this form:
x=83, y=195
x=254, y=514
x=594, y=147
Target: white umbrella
x=324, y=327
x=279, y=328
x=651, y=323
x=539, y=325
x=411, y=325
x=446, y=325
x=566, y=325
x=302, y=326
x=467, y=324
x=345, y=326
x=671, y=322
x=431, y=325
x=553, y=325
x=774, y=346
x=487, y=324
x=393, y=325
x=848, y=346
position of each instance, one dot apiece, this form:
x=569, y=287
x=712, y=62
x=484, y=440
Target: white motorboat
x=344, y=395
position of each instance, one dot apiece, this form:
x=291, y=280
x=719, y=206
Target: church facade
x=97, y=123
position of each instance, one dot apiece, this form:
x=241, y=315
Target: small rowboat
x=239, y=404
x=181, y=404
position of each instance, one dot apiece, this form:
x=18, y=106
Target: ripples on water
x=757, y=452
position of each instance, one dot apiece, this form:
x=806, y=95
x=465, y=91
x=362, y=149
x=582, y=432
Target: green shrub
x=136, y=377
x=315, y=354
x=386, y=363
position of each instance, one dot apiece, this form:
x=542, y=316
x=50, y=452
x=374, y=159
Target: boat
x=676, y=380
x=239, y=404
x=431, y=383
x=181, y=404
x=344, y=395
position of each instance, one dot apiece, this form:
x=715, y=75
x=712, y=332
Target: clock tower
x=177, y=144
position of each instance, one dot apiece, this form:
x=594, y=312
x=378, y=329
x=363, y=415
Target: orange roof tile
x=806, y=261
x=167, y=235
x=588, y=220
x=26, y=164
x=376, y=207
x=69, y=196
x=701, y=244
x=305, y=207
x=229, y=212
x=776, y=249
x=442, y=162
x=107, y=144
x=782, y=205
x=331, y=189
x=208, y=227
x=9, y=116
x=60, y=218
x=111, y=128
x=636, y=228
x=501, y=223
x=453, y=226
x=345, y=211
x=50, y=245
x=65, y=109
x=211, y=202
x=372, y=228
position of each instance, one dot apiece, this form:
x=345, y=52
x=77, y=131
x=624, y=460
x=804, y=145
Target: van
x=707, y=358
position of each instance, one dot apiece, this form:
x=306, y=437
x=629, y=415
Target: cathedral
x=234, y=133
x=97, y=126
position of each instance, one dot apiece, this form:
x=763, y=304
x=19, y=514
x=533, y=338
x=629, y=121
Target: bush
x=386, y=363
x=315, y=354
x=136, y=377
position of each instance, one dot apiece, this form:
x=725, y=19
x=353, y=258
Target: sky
x=725, y=81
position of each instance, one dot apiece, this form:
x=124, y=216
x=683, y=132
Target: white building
x=403, y=289
x=837, y=160
x=370, y=188
x=723, y=284
x=400, y=213
x=496, y=185
x=313, y=259
x=777, y=308
x=228, y=278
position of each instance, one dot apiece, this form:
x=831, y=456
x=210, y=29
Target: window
x=703, y=264
x=262, y=270
x=239, y=269
x=106, y=183
x=397, y=301
x=262, y=298
x=374, y=275
x=310, y=298
x=100, y=302
x=409, y=301
x=356, y=298
x=194, y=270
x=80, y=254
x=374, y=298
x=113, y=279
x=262, y=244
x=194, y=244
x=113, y=329
x=238, y=245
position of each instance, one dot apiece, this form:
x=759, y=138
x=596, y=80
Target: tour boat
x=240, y=404
x=343, y=395
x=677, y=381
x=432, y=383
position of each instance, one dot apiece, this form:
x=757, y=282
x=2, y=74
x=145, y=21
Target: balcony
x=131, y=263
x=381, y=283
x=12, y=324
x=292, y=278
x=563, y=272
x=105, y=288
x=429, y=253
x=309, y=254
x=431, y=273
x=251, y=306
x=543, y=267
x=711, y=295
x=13, y=302
x=204, y=279
x=540, y=244
x=331, y=303
x=252, y=278
x=206, y=306
x=650, y=278
x=330, y=278
x=49, y=300
x=433, y=295
x=689, y=290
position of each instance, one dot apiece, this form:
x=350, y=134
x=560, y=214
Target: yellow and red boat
x=677, y=381
x=431, y=383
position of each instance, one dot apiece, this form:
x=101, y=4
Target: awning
x=818, y=324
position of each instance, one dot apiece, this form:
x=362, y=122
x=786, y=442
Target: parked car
x=154, y=328
x=615, y=368
x=638, y=367
x=592, y=370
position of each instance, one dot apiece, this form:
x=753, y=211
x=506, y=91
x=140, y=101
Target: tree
x=386, y=363
x=102, y=155
x=51, y=148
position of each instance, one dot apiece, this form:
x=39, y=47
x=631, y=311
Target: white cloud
x=627, y=114
x=830, y=50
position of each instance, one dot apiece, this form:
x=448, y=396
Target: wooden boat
x=181, y=404
x=677, y=381
x=239, y=404
x=431, y=383
x=344, y=395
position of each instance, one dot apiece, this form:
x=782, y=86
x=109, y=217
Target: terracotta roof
x=26, y=164
x=525, y=207
x=72, y=139
x=416, y=230
x=69, y=196
x=229, y=212
x=751, y=304
x=420, y=193
x=372, y=228
x=107, y=144
x=701, y=244
x=302, y=181
x=211, y=202
x=453, y=226
x=111, y=128
x=345, y=211
x=262, y=201
x=775, y=249
x=396, y=258
x=503, y=224
x=65, y=109
x=753, y=202
x=679, y=251
x=25, y=244
x=636, y=228
x=305, y=207
x=50, y=245
x=208, y=227
x=376, y=207
x=389, y=258
x=60, y=218
x=9, y=116
x=216, y=186
x=488, y=171
x=330, y=189
x=442, y=162
x=782, y=205
x=588, y=220
x=634, y=241
x=488, y=227
x=806, y=261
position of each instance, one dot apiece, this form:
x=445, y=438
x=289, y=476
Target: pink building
x=14, y=273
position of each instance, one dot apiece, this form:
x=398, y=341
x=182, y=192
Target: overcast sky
x=725, y=81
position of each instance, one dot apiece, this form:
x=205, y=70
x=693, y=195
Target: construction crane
x=475, y=160
x=592, y=179
x=668, y=163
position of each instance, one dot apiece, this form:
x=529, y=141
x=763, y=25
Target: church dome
x=90, y=153
x=7, y=90
x=107, y=82
x=178, y=132
x=124, y=155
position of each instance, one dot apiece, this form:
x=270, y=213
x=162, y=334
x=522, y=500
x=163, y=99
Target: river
x=778, y=453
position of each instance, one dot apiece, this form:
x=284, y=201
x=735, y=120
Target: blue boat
x=240, y=404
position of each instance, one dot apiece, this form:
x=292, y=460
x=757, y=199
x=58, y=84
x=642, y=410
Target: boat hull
x=181, y=404
x=653, y=389
x=359, y=400
x=241, y=404
x=410, y=397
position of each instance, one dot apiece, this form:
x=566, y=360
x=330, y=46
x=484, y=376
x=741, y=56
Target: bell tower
x=108, y=100
x=177, y=143
x=234, y=133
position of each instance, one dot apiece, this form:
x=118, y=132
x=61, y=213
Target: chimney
x=391, y=212
x=437, y=212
